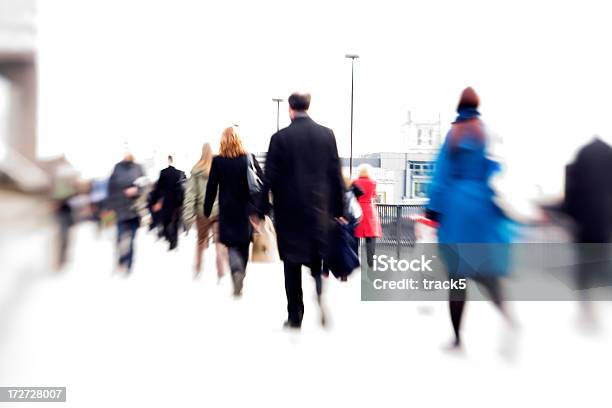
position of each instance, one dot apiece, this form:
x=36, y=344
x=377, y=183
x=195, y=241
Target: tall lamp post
x=278, y=101
x=352, y=57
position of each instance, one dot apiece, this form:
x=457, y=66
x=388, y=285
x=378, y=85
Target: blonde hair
x=205, y=160
x=231, y=144
x=364, y=170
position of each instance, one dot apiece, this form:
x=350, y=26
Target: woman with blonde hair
x=228, y=176
x=193, y=212
x=369, y=226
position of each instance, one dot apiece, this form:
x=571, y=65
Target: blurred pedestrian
x=193, y=212
x=303, y=173
x=228, y=177
x=368, y=228
x=588, y=200
x=122, y=195
x=462, y=201
x=168, y=197
x=63, y=191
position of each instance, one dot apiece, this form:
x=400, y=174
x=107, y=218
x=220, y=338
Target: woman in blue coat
x=473, y=232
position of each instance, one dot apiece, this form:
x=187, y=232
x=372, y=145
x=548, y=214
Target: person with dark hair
x=462, y=201
x=168, y=196
x=303, y=173
x=299, y=102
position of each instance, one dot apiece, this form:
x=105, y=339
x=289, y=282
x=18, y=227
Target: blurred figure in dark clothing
x=228, y=177
x=64, y=189
x=155, y=215
x=303, y=172
x=122, y=195
x=588, y=192
x=588, y=200
x=352, y=215
x=168, y=197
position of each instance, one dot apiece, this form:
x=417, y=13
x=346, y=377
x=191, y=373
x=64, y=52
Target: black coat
x=303, y=173
x=229, y=177
x=124, y=175
x=169, y=188
x=588, y=192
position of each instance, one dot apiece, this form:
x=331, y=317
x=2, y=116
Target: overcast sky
x=169, y=75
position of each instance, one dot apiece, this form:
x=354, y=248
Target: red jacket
x=369, y=226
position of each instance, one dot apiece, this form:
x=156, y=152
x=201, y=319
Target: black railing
x=397, y=227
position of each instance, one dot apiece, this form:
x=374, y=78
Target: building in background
x=18, y=96
x=402, y=176
x=423, y=140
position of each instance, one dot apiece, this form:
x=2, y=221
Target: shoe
x=291, y=325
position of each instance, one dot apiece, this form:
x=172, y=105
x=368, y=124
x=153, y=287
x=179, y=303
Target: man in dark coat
x=168, y=196
x=303, y=172
x=121, y=198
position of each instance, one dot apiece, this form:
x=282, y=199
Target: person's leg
x=131, y=230
x=238, y=258
x=370, y=250
x=293, y=290
x=173, y=226
x=121, y=246
x=316, y=272
x=64, y=220
x=220, y=251
x=456, y=303
x=202, y=226
x=493, y=288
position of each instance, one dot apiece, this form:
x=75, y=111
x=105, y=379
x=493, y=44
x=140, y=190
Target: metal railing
x=398, y=228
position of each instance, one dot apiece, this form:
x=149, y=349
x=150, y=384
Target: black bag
x=255, y=183
x=342, y=259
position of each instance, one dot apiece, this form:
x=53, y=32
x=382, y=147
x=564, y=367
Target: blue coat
x=471, y=225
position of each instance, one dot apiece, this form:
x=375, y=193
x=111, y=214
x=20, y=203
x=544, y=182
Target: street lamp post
x=352, y=57
x=278, y=101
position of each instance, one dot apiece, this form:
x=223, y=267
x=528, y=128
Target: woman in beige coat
x=193, y=212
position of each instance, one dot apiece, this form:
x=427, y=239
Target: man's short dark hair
x=299, y=101
x=170, y=158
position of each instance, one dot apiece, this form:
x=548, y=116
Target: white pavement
x=159, y=338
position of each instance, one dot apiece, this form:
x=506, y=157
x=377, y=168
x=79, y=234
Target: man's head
x=170, y=160
x=299, y=102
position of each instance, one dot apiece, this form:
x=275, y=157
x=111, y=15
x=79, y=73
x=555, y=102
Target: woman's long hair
x=231, y=144
x=205, y=160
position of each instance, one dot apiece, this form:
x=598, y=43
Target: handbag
x=264, y=248
x=342, y=259
x=253, y=179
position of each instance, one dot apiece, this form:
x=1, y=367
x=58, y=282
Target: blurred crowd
x=302, y=210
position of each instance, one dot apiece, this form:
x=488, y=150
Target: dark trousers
x=370, y=243
x=238, y=258
x=126, y=232
x=293, y=288
x=171, y=229
x=65, y=221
